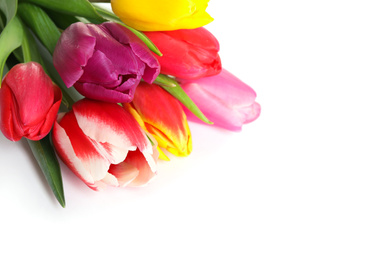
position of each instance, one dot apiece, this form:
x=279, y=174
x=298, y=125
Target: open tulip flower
x=104, y=145
x=29, y=102
x=104, y=61
x=162, y=15
x=161, y=115
x=187, y=54
x=224, y=99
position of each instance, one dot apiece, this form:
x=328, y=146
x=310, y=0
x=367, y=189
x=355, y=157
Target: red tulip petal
x=9, y=124
x=163, y=116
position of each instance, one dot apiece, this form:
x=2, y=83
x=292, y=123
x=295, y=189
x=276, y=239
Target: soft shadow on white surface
x=308, y=180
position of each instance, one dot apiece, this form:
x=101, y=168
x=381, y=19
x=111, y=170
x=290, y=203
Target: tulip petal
x=122, y=130
x=65, y=150
x=51, y=115
x=10, y=126
x=146, y=166
x=77, y=47
x=30, y=76
x=101, y=93
x=188, y=54
x=163, y=117
x=104, y=74
x=138, y=47
x=162, y=15
x=124, y=172
x=224, y=99
x=95, y=164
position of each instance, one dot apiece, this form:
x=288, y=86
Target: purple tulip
x=104, y=61
x=224, y=99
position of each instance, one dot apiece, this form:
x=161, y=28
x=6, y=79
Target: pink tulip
x=104, y=61
x=104, y=145
x=29, y=102
x=224, y=99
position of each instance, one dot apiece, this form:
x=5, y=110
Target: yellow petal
x=162, y=15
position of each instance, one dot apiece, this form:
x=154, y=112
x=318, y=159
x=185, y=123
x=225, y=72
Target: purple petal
x=125, y=36
x=99, y=92
x=120, y=55
x=100, y=70
x=73, y=50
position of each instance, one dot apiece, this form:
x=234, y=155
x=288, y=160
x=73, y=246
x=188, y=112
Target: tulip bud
x=104, y=62
x=187, y=54
x=157, y=15
x=163, y=117
x=29, y=102
x=104, y=145
x=224, y=99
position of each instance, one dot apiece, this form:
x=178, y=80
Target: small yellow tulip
x=162, y=15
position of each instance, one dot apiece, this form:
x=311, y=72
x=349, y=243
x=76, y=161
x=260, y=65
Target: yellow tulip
x=162, y=15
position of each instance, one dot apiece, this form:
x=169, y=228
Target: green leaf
x=62, y=21
x=9, y=7
x=174, y=88
x=112, y=17
x=10, y=39
x=41, y=24
x=81, y=8
x=44, y=154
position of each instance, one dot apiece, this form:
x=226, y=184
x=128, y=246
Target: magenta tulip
x=29, y=102
x=224, y=99
x=104, y=61
x=187, y=53
x=104, y=145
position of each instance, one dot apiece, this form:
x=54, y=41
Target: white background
x=308, y=180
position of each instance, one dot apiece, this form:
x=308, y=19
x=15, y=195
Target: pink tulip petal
x=146, y=164
x=125, y=172
x=224, y=99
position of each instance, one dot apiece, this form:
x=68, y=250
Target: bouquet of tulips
x=110, y=92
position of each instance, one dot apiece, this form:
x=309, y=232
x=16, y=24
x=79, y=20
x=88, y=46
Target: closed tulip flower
x=162, y=15
x=187, y=54
x=104, y=145
x=161, y=115
x=104, y=62
x=29, y=102
x=224, y=99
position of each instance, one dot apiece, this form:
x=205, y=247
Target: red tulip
x=187, y=53
x=162, y=116
x=104, y=145
x=29, y=102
